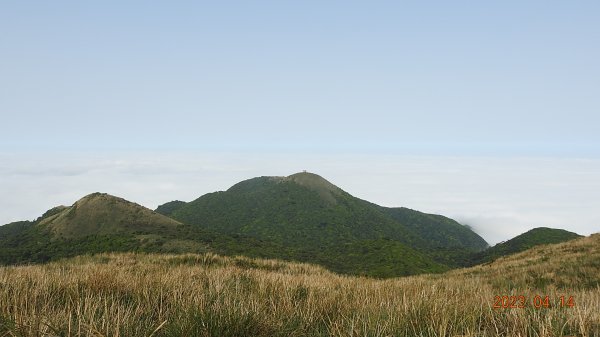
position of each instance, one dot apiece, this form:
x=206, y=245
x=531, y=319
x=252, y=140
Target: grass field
x=209, y=295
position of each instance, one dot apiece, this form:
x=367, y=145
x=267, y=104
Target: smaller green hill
x=573, y=263
x=103, y=214
x=535, y=237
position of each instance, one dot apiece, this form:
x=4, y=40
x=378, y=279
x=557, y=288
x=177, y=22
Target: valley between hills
x=287, y=256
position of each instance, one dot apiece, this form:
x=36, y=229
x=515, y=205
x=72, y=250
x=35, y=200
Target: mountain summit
x=310, y=181
x=320, y=222
x=315, y=182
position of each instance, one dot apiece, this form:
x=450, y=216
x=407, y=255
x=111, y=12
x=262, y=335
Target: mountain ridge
x=301, y=217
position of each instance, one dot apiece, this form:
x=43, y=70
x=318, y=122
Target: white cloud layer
x=498, y=197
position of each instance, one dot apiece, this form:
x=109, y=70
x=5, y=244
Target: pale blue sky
x=455, y=77
x=486, y=111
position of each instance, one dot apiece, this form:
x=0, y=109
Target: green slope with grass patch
x=535, y=237
x=104, y=223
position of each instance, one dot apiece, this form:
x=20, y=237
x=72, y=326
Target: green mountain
x=321, y=222
x=103, y=214
x=535, y=237
x=102, y=223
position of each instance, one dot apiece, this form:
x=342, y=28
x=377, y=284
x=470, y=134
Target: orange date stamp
x=536, y=302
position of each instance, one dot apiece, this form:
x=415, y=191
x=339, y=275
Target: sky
x=484, y=111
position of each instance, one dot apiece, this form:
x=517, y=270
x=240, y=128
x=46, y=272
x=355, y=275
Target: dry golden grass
x=209, y=295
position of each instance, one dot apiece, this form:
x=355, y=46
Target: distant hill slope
x=574, y=263
x=437, y=229
x=522, y=242
x=319, y=220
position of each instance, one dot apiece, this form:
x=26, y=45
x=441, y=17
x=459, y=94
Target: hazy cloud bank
x=498, y=197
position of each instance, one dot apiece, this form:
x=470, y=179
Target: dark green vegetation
x=525, y=241
x=321, y=223
x=436, y=229
x=170, y=207
x=302, y=217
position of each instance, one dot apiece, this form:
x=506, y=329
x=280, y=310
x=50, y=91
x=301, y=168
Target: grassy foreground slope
x=208, y=295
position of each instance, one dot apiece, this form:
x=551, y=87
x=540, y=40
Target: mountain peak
x=95, y=196
x=98, y=197
x=317, y=183
x=311, y=181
